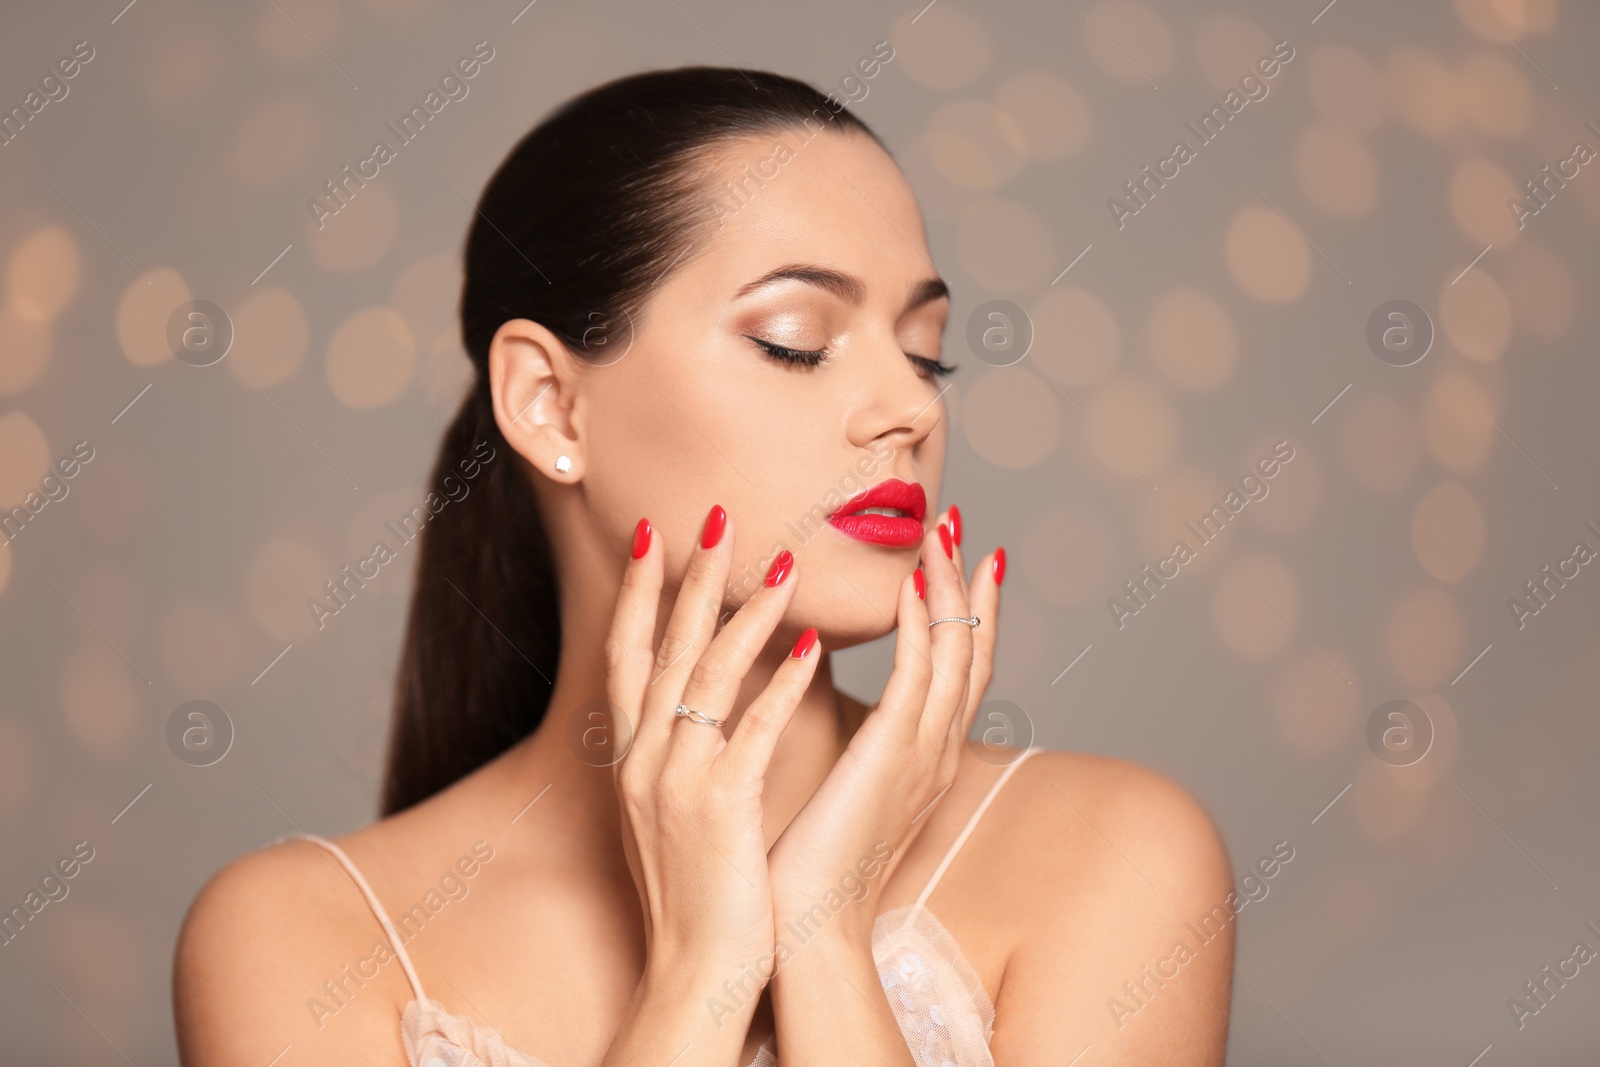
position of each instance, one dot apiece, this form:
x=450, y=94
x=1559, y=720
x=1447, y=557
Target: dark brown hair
x=583, y=217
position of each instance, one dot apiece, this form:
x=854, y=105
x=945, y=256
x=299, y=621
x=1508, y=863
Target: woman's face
x=816, y=247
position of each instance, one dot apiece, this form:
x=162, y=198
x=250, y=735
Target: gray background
x=1225, y=316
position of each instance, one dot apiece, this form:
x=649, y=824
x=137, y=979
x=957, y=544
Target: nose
x=891, y=402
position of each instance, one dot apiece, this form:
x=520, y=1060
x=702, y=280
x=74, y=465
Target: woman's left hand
x=904, y=756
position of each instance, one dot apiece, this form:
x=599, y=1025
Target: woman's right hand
x=691, y=799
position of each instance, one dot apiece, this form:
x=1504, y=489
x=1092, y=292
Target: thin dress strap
x=966, y=831
x=377, y=909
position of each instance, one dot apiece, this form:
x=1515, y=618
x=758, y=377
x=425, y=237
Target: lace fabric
x=434, y=1038
x=935, y=994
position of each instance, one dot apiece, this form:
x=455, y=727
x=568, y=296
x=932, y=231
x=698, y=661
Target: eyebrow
x=846, y=287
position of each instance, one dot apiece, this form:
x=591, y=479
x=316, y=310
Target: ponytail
x=483, y=624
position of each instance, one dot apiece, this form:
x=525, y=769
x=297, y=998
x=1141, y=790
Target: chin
x=855, y=600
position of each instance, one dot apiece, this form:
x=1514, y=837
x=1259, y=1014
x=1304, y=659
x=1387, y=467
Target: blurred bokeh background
x=1441, y=859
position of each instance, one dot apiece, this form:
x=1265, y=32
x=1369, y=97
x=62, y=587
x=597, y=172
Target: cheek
x=667, y=445
x=639, y=464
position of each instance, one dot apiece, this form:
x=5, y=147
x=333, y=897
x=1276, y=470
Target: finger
x=755, y=735
x=691, y=625
x=945, y=531
x=955, y=520
x=950, y=642
x=984, y=597
x=906, y=692
x=715, y=681
x=951, y=519
x=628, y=652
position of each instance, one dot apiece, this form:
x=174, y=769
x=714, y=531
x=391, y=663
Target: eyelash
x=798, y=357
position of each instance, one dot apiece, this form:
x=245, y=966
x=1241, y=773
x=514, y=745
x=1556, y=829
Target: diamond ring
x=683, y=712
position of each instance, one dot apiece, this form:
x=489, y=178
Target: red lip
x=898, y=531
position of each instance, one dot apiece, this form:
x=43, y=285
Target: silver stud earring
x=563, y=464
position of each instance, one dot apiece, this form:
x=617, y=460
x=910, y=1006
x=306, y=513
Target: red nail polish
x=944, y=539
x=999, y=565
x=641, y=539
x=716, y=522
x=920, y=580
x=807, y=642
x=955, y=524
x=780, y=568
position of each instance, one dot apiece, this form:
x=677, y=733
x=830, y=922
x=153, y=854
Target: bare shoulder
x=259, y=942
x=1106, y=866
x=1143, y=820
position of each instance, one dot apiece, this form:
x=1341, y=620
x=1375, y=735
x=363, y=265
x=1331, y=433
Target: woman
x=628, y=817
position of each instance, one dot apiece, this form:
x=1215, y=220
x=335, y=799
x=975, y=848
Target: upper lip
x=901, y=496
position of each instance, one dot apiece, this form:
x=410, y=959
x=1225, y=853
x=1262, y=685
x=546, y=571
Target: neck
x=575, y=744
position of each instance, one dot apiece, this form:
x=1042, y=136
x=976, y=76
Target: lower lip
x=879, y=529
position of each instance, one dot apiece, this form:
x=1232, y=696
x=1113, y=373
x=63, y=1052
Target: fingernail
x=807, y=642
x=944, y=539
x=920, y=580
x=641, y=539
x=780, y=567
x=955, y=524
x=716, y=522
x=999, y=565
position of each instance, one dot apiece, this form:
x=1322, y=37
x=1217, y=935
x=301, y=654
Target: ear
x=534, y=382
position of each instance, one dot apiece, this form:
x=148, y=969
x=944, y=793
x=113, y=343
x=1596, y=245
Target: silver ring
x=972, y=622
x=703, y=719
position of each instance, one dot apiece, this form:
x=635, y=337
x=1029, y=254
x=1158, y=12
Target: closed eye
x=793, y=356
x=931, y=368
